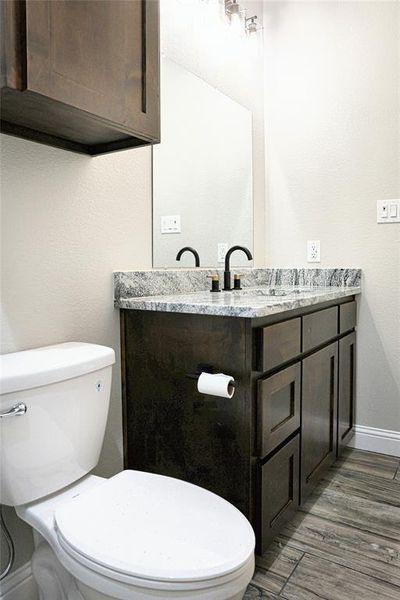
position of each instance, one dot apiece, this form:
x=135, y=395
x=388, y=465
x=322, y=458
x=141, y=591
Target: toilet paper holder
x=204, y=368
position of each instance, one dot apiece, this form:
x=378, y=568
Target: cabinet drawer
x=278, y=405
x=348, y=316
x=319, y=327
x=279, y=491
x=278, y=344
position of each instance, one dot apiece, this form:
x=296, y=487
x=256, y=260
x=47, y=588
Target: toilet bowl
x=134, y=536
x=139, y=535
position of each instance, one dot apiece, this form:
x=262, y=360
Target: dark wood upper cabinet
x=81, y=75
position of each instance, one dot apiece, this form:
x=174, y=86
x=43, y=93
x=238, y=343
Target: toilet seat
x=155, y=529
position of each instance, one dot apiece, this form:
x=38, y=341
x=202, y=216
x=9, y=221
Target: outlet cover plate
x=388, y=211
x=314, y=251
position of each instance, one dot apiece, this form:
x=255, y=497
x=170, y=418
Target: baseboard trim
x=383, y=441
x=19, y=585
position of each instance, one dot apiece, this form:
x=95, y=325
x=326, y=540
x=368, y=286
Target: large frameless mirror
x=202, y=172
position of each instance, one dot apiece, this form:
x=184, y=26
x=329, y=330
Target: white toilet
x=133, y=536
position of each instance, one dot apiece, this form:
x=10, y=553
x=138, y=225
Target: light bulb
x=236, y=22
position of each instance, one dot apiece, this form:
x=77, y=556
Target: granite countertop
x=266, y=291
x=249, y=302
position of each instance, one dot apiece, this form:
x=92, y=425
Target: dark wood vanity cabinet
x=266, y=448
x=81, y=75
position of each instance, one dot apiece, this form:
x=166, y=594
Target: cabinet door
x=347, y=389
x=319, y=415
x=279, y=492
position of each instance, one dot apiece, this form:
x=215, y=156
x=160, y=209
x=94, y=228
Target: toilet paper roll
x=216, y=384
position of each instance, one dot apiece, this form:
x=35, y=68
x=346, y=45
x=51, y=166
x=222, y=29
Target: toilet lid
x=156, y=527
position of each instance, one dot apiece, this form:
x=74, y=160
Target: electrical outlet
x=222, y=250
x=313, y=251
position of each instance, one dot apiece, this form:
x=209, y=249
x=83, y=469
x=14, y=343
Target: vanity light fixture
x=238, y=19
x=251, y=25
x=233, y=11
x=231, y=8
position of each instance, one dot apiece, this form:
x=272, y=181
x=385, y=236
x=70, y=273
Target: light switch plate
x=388, y=211
x=314, y=251
x=171, y=224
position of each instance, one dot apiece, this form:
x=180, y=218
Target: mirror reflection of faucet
x=227, y=272
x=193, y=251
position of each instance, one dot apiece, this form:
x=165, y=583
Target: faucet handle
x=214, y=283
x=237, y=281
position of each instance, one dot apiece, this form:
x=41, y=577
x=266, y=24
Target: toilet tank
x=66, y=391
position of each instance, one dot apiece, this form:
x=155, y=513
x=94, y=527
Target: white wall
x=332, y=113
x=69, y=221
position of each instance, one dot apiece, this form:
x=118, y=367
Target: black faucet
x=227, y=273
x=189, y=249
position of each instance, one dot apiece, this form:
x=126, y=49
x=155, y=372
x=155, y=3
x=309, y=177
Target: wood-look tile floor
x=344, y=543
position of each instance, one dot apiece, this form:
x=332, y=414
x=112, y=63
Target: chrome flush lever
x=16, y=411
